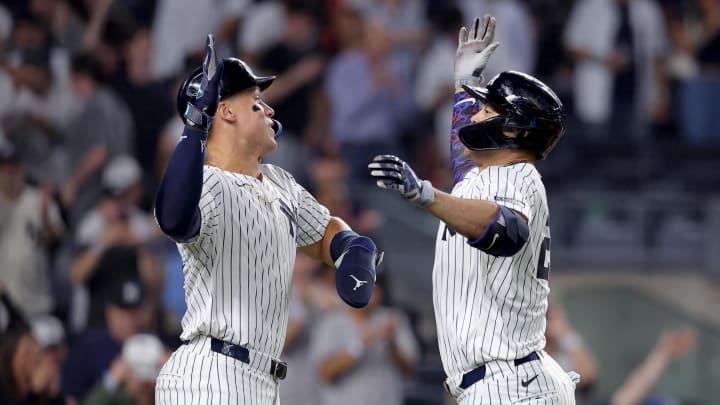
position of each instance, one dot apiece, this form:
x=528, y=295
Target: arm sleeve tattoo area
x=464, y=107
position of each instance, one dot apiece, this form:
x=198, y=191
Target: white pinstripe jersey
x=238, y=270
x=487, y=307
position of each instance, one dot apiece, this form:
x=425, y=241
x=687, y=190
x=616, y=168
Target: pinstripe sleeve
x=210, y=205
x=507, y=186
x=312, y=217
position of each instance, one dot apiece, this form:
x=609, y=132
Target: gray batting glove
x=474, y=50
x=394, y=174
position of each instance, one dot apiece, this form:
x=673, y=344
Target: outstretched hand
x=474, y=50
x=394, y=174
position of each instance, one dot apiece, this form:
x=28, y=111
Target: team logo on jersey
x=358, y=283
x=289, y=214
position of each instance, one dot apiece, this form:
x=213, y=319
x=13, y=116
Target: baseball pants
x=196, y=375
x=542, y=381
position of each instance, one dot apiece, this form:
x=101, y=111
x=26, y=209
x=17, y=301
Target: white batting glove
x=474, y=50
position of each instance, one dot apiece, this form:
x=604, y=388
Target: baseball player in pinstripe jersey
x=238, y=223
x=492, y=255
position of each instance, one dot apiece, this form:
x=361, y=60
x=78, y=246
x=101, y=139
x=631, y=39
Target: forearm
x=303, y=72
x=90, y=164
x=464, y=107
x=406, y=364
x=336, y=365
x=49, y=231
x=294, y=328
x=97, y=21
x=581, y=357
x=84, y=265
x=176, y=206
x=641, y=381
x=469, y=217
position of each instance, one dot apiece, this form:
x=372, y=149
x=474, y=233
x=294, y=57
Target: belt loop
x=278, y=369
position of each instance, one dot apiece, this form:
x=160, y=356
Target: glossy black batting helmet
x=236, y=77
x=526, y=105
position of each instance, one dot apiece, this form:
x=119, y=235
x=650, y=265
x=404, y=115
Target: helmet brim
x=263, y=82
x=477, y=92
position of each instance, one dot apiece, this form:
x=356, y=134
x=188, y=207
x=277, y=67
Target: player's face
x=253, y=121
x=262, y=114
x=486, y=112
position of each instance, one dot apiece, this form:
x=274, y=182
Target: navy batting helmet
x=236, y=77
x=525, y=104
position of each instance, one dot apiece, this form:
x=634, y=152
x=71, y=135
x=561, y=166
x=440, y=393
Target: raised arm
x=176, y=206
x=473, y=53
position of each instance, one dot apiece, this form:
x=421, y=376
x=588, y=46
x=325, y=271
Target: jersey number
x=543, y=267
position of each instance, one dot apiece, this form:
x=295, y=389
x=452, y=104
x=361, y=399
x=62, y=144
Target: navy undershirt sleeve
x=176, y=206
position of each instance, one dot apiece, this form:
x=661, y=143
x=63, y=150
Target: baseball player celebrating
x=492, y=254
x=238, y=223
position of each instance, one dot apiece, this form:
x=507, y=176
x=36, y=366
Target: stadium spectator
x=311, y=299
x=102, y=131
x=354, y=350
x=370, y=121
x=298, y=62
x=30, y=224
x=567, y=347
x=672, y=345
x=173, y=41
x=93, y=353
x=28, y=373
x=434, y=86
x=111, y=244
x=618, y=47
x=131, y=378
x=142, y=93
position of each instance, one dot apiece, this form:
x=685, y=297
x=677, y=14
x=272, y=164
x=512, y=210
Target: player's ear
x=225, y=111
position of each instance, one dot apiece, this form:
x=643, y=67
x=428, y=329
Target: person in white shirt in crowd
x=360, y=356
x=618, y=47
x=29, y=224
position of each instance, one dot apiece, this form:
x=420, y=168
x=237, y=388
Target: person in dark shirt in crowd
x=94, y=352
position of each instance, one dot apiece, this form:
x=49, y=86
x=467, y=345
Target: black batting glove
x=394, y=174
x=200, y=112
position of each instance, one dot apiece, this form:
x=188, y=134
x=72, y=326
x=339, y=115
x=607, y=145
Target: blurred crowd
x=88, y=121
